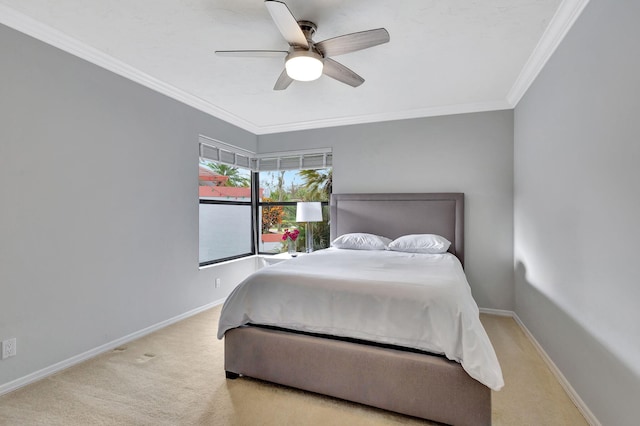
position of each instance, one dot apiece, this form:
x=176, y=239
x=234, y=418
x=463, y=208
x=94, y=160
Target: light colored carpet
x=176, y=377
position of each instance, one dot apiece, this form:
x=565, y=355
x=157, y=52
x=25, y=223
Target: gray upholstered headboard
x=394, y=215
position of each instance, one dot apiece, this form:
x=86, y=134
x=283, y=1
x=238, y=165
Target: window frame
x=259, y=204
x=216, y=151
x=251, y=204
x=323, y=204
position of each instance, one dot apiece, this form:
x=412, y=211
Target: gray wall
x=98, y=206
x=470, y=153
x=99, y=213
x=577, y=204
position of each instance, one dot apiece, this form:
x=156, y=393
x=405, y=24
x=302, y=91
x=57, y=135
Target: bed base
x=415, y=384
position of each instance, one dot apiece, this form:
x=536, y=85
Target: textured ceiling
x=444, y=57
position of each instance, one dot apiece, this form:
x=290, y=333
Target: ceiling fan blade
x=283, y=81
x=352, y=42
x=253, y=53
x=341, y=73
x=286, y=23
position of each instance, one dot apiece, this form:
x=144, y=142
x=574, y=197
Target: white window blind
x=211, y=149
x=295, y=160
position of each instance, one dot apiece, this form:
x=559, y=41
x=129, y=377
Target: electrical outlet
x=217, y=282
x=8, y=348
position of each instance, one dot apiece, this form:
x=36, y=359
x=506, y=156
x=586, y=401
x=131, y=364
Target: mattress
x=418, y=301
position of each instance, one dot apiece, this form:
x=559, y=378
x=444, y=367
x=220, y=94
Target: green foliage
x=280, y=195
x=235, y=178
x=320, y=235
x=318, y=184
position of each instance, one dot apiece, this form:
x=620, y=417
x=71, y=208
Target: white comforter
x=420, y=301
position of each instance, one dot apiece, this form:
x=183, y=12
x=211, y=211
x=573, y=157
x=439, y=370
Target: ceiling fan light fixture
x=304, y=65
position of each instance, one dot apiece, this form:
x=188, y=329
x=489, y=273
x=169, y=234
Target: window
x=280, y=191
x=226, y=218
x=247, y=200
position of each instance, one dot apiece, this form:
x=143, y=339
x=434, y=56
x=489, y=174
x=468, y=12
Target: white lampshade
x=309, y=211
x=304, y=66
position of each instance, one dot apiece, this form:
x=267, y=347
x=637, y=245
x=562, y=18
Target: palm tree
x=318, y=183
x=235, y=178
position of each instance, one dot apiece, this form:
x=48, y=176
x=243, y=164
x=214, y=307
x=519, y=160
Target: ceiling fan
x=307, y=60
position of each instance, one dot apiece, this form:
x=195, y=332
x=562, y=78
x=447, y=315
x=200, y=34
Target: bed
x=447, y=379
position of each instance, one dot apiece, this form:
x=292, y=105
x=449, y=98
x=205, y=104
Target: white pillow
x=361, y=241
x=420, y=243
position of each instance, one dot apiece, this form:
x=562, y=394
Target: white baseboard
x=52, y=369
x=498, y=312
x=573, y=395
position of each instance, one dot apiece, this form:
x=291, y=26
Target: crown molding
x=565, y=16
x=562, y=21
x=62, y=41
x=392, y=116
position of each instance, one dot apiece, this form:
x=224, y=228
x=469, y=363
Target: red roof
x=219, y=179
x=206, y=174
x=226, y=192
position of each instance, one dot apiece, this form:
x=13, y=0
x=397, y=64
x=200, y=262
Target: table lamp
x=309, y=211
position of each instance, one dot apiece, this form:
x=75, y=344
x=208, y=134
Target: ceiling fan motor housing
x=309, y=29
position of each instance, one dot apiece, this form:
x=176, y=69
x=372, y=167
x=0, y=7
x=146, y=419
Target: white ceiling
x=444, y=57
